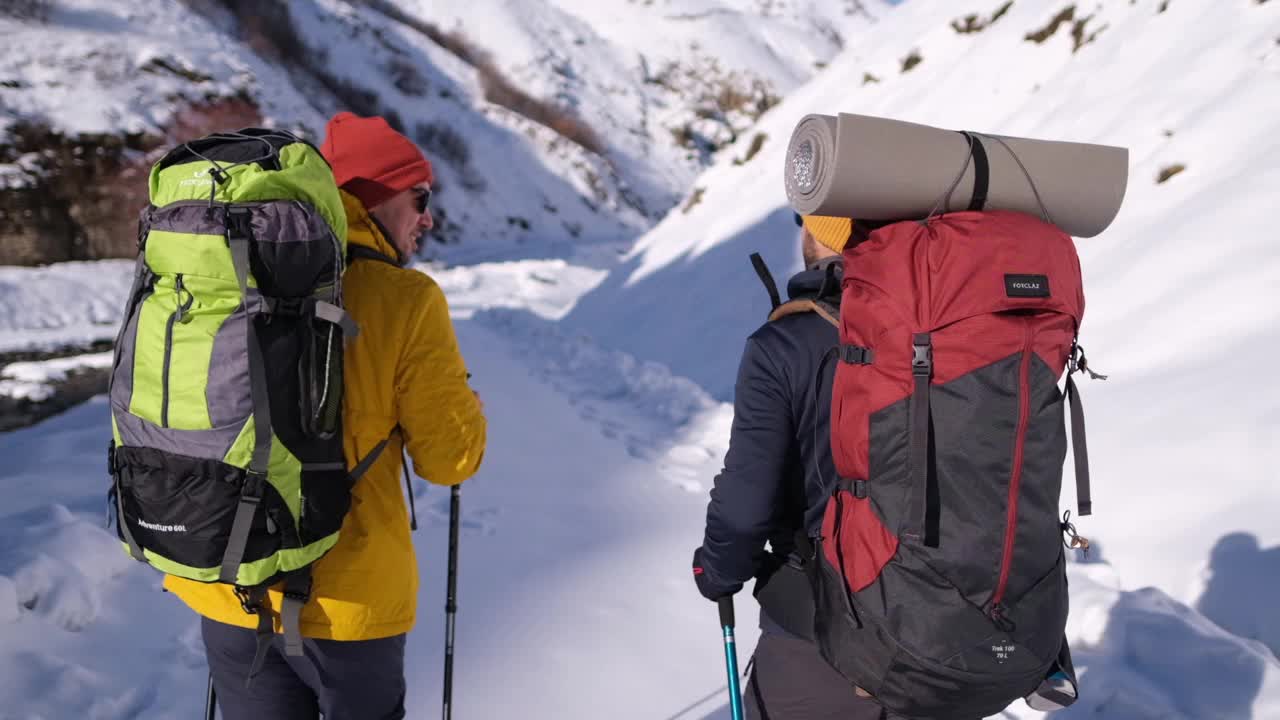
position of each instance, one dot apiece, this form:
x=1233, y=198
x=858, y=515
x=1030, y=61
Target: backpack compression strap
x=918, y=452
x=1080, y=450
x=238, y=235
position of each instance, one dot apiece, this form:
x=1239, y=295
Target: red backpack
x=939, y=576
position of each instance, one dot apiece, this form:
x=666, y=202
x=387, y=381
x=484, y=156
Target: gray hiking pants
x=361, y=680
x=791, y=681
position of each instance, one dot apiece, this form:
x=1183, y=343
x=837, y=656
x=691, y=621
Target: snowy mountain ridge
x=552, y=123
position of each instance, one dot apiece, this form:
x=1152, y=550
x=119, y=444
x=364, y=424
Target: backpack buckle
x=250, y=599
x=238, y=222
x=289, y=307
x=921, y=355
x=253, y=489
x=856, y=488
x=855, y=355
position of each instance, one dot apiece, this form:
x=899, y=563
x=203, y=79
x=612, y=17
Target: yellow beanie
x=833, y=232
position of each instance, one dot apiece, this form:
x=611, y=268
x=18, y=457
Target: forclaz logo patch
x=199, y=177
x=1026, y=285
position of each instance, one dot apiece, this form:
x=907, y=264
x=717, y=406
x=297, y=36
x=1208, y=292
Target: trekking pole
x=210, y=701
x=730, y=655
x=451, y=598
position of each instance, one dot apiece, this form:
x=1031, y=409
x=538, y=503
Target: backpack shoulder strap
x=795, y=307
x=361, y=252
x=766, y=277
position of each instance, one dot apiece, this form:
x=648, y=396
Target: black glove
x=710, y=587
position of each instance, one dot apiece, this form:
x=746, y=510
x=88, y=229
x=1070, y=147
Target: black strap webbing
x=1080, y=449
x=367, y=461
x=363, y=252
x=363, y=466
x=830, y=286
x=766, y=277
x=981, y=172
x=413, y=504
x=922, y=371
x=238, y=236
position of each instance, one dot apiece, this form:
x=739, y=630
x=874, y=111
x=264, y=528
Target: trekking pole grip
x=730, y=656
x=726, y=611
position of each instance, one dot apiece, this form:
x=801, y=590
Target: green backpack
x=227, y=461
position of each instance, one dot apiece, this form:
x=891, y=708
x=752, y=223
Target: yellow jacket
x=403, y=369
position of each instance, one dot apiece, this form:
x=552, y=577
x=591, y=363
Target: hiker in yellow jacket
x=404, y=371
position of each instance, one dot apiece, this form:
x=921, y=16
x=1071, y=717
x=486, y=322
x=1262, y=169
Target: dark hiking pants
x=362, y=680
x=791, y=681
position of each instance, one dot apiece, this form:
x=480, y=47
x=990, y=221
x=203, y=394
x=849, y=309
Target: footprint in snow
x=477, y=521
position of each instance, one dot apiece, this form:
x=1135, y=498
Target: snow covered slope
x=665, y=82
x=68, y=305
x=574, y=591
x=629, y=101
x=1183, y=298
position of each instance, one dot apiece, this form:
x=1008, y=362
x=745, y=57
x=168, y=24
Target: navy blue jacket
x=779, y=467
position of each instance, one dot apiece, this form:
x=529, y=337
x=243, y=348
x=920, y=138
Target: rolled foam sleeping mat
x=872, y=168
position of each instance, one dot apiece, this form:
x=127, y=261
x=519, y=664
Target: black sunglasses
x=423, y=198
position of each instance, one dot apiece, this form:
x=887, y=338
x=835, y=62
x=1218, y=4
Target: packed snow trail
x=574, y=592
x=575, y=598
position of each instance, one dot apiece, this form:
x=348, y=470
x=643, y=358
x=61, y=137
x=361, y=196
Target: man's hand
x=710, y=588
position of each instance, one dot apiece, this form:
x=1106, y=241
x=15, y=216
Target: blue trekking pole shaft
x=451, y=599
x=730, y=656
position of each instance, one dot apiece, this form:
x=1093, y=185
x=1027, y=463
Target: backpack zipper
x=1015, y=481
x=177, y=315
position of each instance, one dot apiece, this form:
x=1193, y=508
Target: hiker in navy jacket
x=772, y=486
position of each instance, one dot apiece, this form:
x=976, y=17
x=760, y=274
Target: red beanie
x=372, y=161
